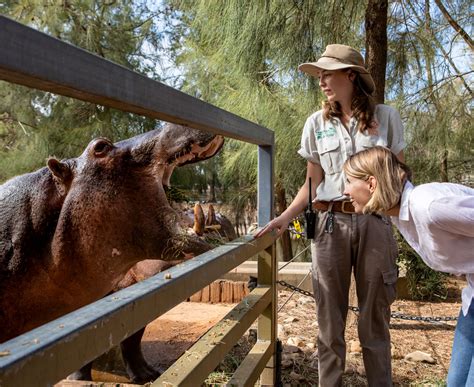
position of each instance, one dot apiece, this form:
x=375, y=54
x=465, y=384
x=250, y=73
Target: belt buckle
x=343, y=207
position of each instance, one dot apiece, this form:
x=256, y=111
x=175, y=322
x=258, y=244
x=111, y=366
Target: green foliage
x=248, y=65
x=174, y=194
x=35, y=125
x=431, y=80
x=243, y=57
x=423, y=282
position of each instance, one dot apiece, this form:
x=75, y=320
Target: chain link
x=355, y=309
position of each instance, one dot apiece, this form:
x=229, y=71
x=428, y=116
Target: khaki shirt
x=329, y=144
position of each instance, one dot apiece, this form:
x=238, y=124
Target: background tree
x=243, y=57
x=248, y=65
x=35, y=124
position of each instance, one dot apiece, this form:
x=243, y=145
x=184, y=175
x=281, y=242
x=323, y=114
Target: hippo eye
x=101, y=147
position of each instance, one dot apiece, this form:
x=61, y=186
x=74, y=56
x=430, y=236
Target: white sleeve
x=454, y=214
x=309, y=149
x=395, y=132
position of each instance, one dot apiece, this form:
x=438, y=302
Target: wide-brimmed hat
x=338, y=57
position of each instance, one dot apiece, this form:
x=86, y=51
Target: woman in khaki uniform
x=345, y=241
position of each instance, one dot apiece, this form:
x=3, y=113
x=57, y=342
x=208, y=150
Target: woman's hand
x=279, y=224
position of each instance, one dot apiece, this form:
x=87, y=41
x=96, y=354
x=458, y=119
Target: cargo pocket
x=330, y=155
x=316, y=292
x=390, y=284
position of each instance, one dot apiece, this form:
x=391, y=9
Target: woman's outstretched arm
x=280, y=223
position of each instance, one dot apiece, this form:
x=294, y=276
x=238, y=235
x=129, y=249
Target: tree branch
x=455, y=25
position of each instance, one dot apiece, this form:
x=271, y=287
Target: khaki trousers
x=364, y=244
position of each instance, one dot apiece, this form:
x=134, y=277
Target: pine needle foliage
x=35, y=124
x=243, y=55
x=432, y=83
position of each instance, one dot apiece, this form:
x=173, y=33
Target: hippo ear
x=62, y=173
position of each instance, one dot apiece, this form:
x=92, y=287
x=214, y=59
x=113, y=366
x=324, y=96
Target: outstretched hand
x=279, y=224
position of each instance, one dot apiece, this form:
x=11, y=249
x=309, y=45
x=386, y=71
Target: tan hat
x=338, y=57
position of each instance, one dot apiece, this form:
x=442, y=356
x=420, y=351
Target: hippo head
x=115, y=205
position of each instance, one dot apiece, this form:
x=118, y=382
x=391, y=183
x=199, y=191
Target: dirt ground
x=169, y=336
x=300, y=367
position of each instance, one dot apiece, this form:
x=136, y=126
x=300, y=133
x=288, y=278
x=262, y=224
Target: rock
x=290, y=319
x=282, y=331
x=296, y=341
x=419, y=356
x=290, y=348
x=396, y=354
x=310, y=345
x=354, y=347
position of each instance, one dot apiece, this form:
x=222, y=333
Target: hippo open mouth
x=98, y=215
x=176, y=145
x=197, y=152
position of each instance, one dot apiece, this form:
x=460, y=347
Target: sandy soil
x=169, y=336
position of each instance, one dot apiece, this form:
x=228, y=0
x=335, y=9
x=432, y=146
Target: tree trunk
x=285, y=239
x=444, y=167
x=212, y=187
x=376, y=44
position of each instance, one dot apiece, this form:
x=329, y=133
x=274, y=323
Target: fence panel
x=48, y=353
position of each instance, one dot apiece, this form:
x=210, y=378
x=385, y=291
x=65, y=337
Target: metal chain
x=356, y=309
x=292, y=259
x=296, y=289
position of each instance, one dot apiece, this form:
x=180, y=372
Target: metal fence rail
x=45, y=355
x=32, y=58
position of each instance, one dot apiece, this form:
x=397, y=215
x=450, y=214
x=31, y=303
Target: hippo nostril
x=101, y=147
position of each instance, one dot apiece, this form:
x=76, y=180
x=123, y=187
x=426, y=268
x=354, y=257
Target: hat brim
x=314, y=69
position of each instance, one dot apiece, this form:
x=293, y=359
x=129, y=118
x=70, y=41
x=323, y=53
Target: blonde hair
x=363, y=106
x=390, y=173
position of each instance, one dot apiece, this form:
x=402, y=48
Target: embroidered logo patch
x=330, y=132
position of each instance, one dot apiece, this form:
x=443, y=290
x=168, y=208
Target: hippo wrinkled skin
x=70, y=231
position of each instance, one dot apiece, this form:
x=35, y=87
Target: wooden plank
x=253, y=364
x=34, y=59
x=196, y=364
x=51, y=352
x=267, y=321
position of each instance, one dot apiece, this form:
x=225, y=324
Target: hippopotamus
x=70, y=231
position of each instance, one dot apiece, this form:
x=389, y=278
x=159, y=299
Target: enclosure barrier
x=47, y=354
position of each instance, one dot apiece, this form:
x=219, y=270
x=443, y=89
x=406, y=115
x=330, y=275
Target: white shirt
x=329, y=144
x=437, y=220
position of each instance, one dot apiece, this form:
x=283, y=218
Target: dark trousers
x=363, y=244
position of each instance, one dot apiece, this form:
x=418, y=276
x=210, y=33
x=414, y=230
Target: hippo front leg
x=138, y=370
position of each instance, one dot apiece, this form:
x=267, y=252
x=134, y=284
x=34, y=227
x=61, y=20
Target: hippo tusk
x=168, y=171
x=211, y=216
x=198, y=219
x=211, y=148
